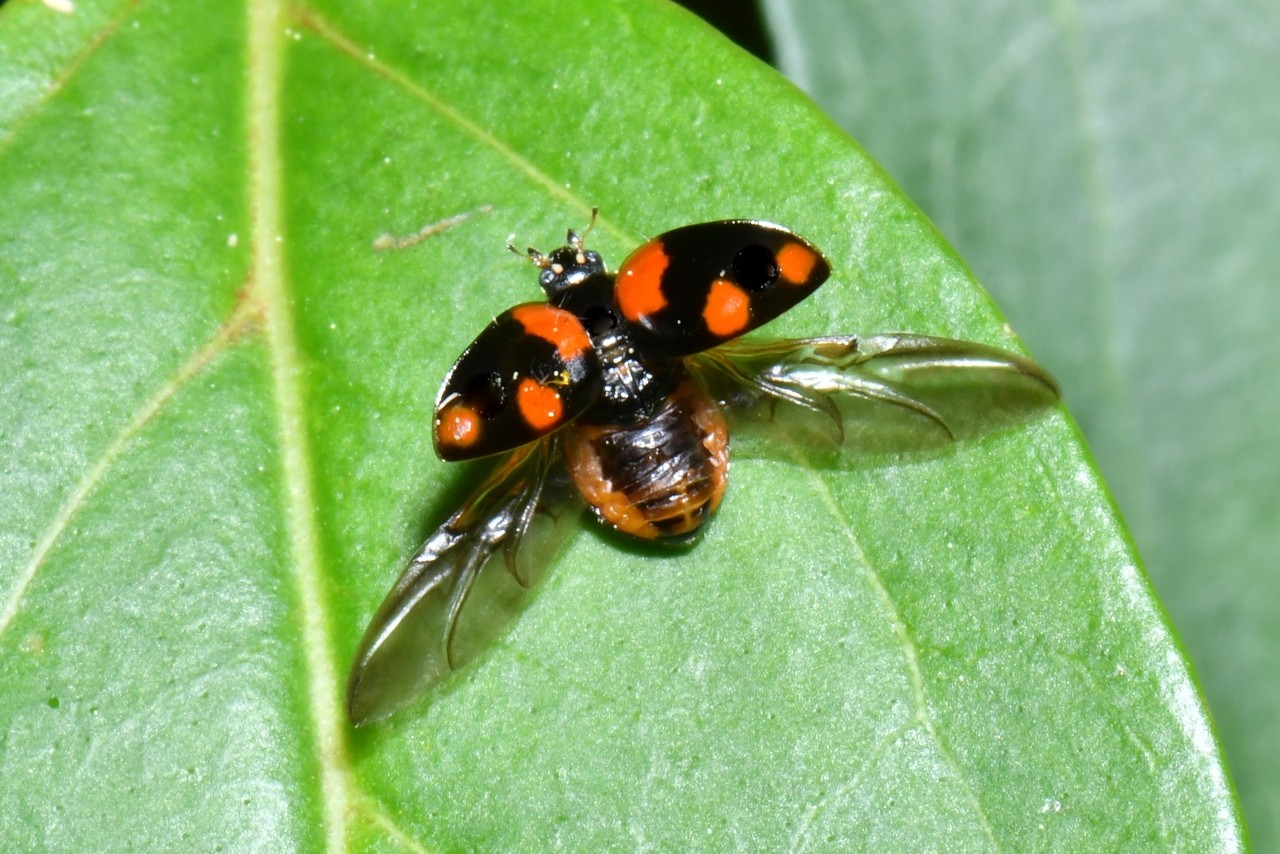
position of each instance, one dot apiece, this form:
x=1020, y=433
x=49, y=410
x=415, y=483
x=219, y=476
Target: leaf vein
x=801, y=838
x=330, y=33
x=373, y=811
x=239, y=321
x=911, y=654
x=77, y=61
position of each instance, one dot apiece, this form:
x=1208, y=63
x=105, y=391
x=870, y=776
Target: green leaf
x=217, y=458
x=1110, y=174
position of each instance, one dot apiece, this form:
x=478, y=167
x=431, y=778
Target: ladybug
x=615, y=393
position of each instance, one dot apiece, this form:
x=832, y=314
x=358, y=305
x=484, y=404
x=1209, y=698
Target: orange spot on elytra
x=458, y=426
x=555, y=325
x=540, y=405
x=796, y=261
x=727, y=311
x=639, y=286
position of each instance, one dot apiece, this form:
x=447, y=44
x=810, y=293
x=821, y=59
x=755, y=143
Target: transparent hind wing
x=466, y=583
x=879, y=394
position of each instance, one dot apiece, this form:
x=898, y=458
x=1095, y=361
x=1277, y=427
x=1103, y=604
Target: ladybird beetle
x=615, y=393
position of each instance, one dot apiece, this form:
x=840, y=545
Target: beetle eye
x=755, y=267
x=600, y=320
x=486, y=394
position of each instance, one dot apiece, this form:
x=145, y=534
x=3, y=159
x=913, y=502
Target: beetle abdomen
x=662, y=477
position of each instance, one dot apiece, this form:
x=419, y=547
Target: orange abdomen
x=662, y=477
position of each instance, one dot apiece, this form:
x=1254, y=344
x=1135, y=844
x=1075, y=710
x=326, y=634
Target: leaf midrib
x=269, y=284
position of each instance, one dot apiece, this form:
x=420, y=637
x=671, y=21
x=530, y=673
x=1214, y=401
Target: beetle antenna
x=538, y=259
x=576, y=240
